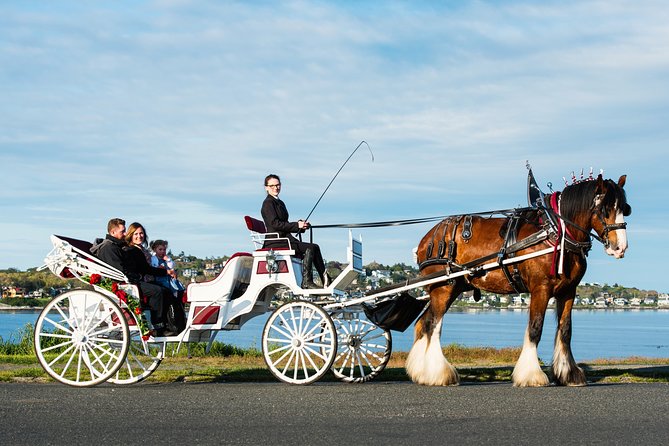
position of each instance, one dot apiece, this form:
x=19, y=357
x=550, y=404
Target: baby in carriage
x=160, y=259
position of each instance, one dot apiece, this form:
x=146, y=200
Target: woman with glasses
x=275, y=216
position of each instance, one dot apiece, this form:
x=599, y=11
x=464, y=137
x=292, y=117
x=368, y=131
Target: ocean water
x=595, y=333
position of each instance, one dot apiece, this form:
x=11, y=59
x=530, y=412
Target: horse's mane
x=578, y=198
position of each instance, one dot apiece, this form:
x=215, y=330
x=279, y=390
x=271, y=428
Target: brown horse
x=466, y=243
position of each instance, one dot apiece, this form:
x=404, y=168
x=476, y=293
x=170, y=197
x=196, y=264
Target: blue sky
x=172, y=112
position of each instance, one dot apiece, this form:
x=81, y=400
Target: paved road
x=333, y=414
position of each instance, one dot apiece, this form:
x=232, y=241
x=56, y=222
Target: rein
x=412, y=221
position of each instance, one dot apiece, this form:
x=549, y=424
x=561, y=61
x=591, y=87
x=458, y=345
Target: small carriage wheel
x=363, y=348
x=299, y=342
x=81, y=338
x=142, y=360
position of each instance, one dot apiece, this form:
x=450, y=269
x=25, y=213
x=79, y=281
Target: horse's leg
x=527, y=372
x=565, y=370
x=426, y=363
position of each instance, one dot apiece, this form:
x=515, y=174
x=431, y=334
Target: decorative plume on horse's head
x=575, y=180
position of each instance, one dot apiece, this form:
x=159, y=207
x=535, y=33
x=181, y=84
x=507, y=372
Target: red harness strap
x=556, y=209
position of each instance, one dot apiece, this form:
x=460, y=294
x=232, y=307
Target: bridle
x=606, y=228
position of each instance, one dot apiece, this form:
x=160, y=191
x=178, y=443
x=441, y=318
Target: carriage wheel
x=81, y=338
x=142, y=360
x=299, y=343
x=363, y=348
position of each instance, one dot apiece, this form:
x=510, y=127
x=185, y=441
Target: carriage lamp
x=272, y=265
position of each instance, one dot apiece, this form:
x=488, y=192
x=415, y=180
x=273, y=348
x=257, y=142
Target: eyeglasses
x=274, y=185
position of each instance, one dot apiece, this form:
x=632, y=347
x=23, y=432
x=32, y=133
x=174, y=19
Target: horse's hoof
x=536, y=379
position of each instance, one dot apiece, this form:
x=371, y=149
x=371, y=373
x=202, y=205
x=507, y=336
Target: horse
x=464, y=243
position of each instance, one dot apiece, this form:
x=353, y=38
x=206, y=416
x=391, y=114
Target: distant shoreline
x=5, y=307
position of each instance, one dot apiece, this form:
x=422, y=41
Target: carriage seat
x=230, y=283
x=259, y=236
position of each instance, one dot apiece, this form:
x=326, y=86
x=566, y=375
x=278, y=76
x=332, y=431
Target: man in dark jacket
x=275, y=216
x=112, y=251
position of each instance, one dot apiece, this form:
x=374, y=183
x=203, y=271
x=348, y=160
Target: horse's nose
x=617, y=252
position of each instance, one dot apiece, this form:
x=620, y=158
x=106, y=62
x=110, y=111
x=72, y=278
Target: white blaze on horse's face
x=616, y=238
x=618, y=249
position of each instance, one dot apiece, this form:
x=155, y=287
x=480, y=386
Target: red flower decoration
x=95, y=279
x=122, y=296
x=145, y=337
x=138, y=311
x=114, y=287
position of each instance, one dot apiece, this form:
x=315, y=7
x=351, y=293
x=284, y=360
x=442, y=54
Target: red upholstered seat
x=255, y=225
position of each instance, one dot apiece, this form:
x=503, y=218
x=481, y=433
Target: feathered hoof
x=534, y=378
x=574, y=378
x=427, y=374
x=447, y=377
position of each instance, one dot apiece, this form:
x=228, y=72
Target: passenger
x=160, y=259
x=139, y=258
x=137, y=237
x=275, y=216
x=113, y=250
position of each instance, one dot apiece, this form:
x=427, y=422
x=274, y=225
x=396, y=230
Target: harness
x=510, y=246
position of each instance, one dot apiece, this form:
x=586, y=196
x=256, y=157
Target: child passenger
x=160, y=259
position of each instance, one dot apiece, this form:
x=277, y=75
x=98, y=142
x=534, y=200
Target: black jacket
x=275, y=216
x=110, y=251
x=136, y=264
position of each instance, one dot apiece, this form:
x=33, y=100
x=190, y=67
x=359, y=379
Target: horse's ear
x=600, y=189
x=621, y=180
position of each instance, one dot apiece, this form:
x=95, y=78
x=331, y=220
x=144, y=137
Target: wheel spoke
x=58, y=325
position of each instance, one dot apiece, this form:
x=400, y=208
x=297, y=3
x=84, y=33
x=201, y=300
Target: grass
x=227, y=363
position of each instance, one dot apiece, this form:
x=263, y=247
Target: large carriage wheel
x=81, y=338
x=363, y=348
x=299, y=343
x=142, y=360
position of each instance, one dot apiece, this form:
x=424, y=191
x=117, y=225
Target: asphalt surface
x=333, y=414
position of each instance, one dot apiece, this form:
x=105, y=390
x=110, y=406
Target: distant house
x=380, y=276
x=635, y=302
x=663, y=300
x=12, y=291
x=600, y=302
x=649, y=301
x=619, y=301
x=517, y=301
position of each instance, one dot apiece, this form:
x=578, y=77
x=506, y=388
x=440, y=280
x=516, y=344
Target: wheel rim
x=363, y=348
x=299, y=343
x=81, y=338
x=142, y=360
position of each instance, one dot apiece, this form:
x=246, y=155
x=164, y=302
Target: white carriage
x=88, y=336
